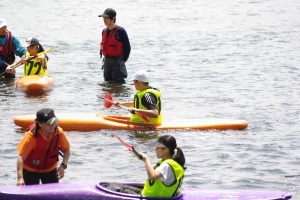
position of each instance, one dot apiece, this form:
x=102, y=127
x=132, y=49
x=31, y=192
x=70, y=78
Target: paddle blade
x=108, y=100
x=129, y=147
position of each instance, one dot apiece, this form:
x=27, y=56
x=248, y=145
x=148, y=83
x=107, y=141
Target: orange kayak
x=94, y=122
x=35, y=83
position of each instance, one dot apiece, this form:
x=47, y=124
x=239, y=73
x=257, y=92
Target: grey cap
x=31, y=41
x=156, y=144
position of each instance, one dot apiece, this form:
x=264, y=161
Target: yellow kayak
x=94, y=122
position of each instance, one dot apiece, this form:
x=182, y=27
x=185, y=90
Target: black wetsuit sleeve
x=149, y=101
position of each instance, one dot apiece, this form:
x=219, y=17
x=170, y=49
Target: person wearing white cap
x=115, y=46
x=37, y=65
x=9, y=46
x=165, y=178
x=147, y=100
x=39, y=150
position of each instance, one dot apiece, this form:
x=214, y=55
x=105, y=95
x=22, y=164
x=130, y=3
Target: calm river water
x=232, y=59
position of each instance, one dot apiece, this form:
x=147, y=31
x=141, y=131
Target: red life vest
x=7, y=50
x=109, y=45
x=41, y=157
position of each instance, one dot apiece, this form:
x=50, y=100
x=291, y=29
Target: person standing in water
x=39, y=151
x=115, y=47
x=9, y=47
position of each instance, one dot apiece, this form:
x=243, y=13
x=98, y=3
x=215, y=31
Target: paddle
x=129, y=147
x=41, y=53
x=108, y=102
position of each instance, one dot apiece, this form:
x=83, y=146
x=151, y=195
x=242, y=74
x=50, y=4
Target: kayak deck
x=35, y=83
x=94, y=190
x=94, y=122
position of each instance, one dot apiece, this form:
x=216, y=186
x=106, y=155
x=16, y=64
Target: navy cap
x=109, y=12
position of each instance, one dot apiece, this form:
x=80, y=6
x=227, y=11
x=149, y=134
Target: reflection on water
x=7, y=87
x=212, y=59
x=38, y=97
x=117, y=90
x=140, y=135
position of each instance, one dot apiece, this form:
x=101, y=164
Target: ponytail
x=178, y=156
x=41, y=49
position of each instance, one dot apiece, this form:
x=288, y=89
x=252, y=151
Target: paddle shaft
x=108, y=98
x=136, y=112
x=41, y=53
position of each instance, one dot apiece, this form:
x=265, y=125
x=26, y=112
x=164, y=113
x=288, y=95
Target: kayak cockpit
x=128, y=190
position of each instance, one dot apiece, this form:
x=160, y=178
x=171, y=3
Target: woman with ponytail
x=165, y=178
x=37, y=65
x=39, y=150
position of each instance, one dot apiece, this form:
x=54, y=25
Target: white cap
x=2, y=23
x=140, y=76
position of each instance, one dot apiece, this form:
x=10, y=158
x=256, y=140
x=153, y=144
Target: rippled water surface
x=211, y=59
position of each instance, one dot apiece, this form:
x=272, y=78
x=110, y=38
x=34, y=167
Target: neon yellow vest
x=158, y=189
x=138, y=104
x=35, y=67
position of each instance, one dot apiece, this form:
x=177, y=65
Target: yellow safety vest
x=138, y=104
x=158, y=189
x=35, y=67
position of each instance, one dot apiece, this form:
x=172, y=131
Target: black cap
x=109, y=12
x=47, y=116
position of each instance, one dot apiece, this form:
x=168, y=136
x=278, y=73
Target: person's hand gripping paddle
x=129, y=147
x=30, y=58
x=109, y=102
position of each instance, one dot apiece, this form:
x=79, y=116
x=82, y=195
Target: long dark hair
x=170, y=142
x=41, y=49
x=36, y=128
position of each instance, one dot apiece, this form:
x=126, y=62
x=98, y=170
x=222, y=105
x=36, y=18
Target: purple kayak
x=95, y=190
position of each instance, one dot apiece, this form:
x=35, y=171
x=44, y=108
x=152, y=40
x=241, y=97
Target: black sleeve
x=122, y=36
x=149, y=101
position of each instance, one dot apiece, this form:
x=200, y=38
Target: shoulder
x=63, y=136
x=29, y=134
x=121, y=29
x=164, y=168
x=61, y=131
x=15, y=39
x=28, y=137
x=149, y=94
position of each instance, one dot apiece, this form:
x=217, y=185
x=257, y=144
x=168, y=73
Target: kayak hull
x=94, y=122
x=94, y=190
x=34, y=83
